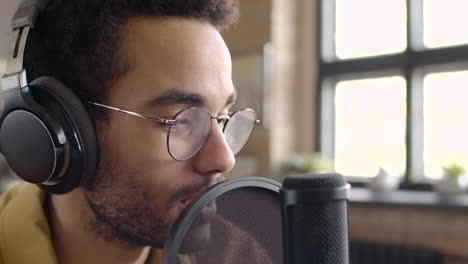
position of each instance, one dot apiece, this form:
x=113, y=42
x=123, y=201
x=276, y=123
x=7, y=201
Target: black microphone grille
x=314, y=181
x=313, y=188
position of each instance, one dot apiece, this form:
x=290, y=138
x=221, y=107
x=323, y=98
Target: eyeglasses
x=189, y=129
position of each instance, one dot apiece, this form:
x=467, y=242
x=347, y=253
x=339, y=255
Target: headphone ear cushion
x=80, y=135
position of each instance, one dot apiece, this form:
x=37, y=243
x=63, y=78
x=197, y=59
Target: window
x=445, y=117
x=2, y=66
x=372, y=112
x=393, y=78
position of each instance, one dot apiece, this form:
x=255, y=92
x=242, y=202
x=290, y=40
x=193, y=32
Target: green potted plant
x=454, y=180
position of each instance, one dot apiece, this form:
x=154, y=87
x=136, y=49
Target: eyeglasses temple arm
x=157, y=119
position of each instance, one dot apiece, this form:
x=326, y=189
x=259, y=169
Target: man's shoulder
x=9, y=195
x=14, y=193
x=22, y=200
x=24, y=231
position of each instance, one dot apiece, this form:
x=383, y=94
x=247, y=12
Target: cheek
x=139, y=140
x=140, y=146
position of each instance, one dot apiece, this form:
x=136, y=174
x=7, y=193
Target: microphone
x=314, y=214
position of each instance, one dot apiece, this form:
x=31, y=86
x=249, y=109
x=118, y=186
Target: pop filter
x=234, y=222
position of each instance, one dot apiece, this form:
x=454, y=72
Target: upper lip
x=192, y=194
x=197, y=193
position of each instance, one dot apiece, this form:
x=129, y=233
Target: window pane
x=445, y=121
x=2, y=67
x=2, y=72
x=370, y=126
x=445, y=23
x=369, y=27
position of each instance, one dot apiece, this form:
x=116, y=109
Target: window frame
x=412, y=64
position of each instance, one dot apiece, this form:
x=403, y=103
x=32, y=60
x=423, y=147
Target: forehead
x=172, y=53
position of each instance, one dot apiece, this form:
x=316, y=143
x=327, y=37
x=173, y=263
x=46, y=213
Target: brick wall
x=443, y=228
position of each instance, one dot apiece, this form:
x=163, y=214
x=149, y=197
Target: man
x=136, y=65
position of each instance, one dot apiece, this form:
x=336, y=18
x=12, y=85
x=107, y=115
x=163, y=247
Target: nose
x=216, y=156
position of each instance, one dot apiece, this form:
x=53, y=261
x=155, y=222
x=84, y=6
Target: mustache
x=191, y=189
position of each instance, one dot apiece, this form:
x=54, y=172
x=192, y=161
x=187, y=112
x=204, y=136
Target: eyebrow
x=175, y=96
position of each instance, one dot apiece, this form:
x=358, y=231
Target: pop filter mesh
x=237, y=221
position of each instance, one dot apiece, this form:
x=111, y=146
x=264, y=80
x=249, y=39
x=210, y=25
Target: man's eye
x=182, y=124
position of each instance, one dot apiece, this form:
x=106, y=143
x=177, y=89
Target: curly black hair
x=78, y=41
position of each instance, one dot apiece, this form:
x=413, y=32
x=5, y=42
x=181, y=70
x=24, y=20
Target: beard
x=121, y=202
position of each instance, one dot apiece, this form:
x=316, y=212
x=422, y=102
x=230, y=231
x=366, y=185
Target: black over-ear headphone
x=46, y=134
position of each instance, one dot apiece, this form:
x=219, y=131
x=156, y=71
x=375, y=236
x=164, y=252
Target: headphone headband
x=27, y=13
x=23, y=19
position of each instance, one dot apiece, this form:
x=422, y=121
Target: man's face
x=139, y=190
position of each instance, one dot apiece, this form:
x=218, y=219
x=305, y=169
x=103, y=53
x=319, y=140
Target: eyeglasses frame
x=171, y=122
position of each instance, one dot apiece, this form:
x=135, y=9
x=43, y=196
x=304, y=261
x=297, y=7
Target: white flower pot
x=450, y=186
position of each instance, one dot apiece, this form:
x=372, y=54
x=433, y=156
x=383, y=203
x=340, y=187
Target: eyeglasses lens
x=192, y=127
x=189, y=133
x=239, y=128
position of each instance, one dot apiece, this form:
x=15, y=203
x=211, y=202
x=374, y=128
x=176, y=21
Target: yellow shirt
x=24, y=231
